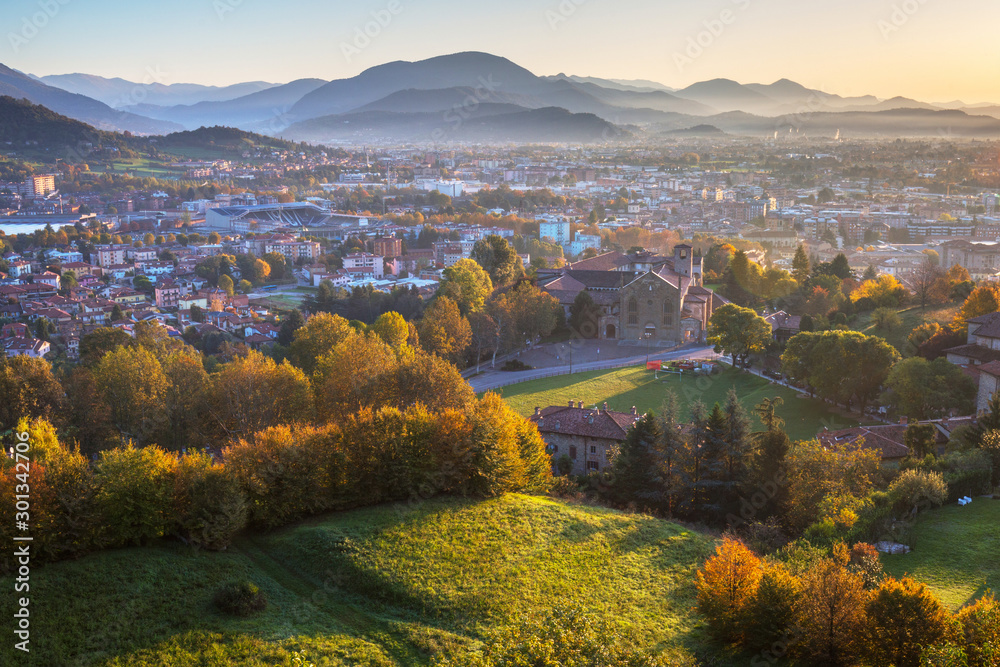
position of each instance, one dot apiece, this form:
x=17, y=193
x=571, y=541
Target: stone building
x=642, y=296
x=585, y=435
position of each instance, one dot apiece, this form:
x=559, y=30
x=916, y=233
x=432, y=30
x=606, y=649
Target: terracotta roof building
x=582, y=435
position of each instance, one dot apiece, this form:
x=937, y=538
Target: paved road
x=492, y=379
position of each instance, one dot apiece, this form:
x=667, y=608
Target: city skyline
x=934, y=52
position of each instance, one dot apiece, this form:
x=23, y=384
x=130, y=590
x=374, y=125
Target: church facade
x=642, y=297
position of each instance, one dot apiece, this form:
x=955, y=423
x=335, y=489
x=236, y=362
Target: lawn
x=955, y=551
x=380, y=586
x=636, y=386
x=912, y=318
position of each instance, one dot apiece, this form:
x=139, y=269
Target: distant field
x=956, y=551
x=626, y=387
x=378, y=587
x=912, y=318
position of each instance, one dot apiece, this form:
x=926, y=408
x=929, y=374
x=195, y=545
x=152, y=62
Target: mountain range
x=475, y=97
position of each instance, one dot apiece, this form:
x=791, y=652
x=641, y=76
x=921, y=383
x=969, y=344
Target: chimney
x=605, y=406
x=571, y=404
x=538, y=412
x=634, y=411
x=580, y=405
x=903, y=421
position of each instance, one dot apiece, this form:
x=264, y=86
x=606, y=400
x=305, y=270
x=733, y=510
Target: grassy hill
x=382, y=586
x=955, y=552
x=623, y=388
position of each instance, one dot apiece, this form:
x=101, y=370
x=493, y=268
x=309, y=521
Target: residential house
x=29, y=347
x=585, y=435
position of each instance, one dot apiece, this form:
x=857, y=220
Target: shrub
x=515, y=365
x=886, y=319
x=727, y=585
x=903, y=617
x=914, y=491
x=242, y=598
x=980, y=623
x=134, y=494
x=209, y=506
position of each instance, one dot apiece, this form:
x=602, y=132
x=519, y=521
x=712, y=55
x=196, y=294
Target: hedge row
x=132, y=496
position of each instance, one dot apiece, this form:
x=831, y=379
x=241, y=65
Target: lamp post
x=647, y=336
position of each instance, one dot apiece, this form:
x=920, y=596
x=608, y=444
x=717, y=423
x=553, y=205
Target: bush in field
x=903, y=617
x=727, y=585
x=915, y=490
x=209, y=506
x=134, y=494
x=243, y=598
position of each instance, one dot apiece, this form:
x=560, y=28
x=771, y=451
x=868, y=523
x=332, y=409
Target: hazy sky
x=936, y=50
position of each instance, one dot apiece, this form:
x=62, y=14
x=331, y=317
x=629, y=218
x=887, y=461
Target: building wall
x=591, y=453
x=988, y=386
x=650, y=304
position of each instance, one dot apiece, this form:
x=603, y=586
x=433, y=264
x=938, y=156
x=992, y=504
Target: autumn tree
x=186, y=399
x=252, y=393
x=499, y=259
x=830, y=613
x=133, y=385
x=227, y=285
x=828, y=482
x=883, y=292
x=319, y=335
x=983, y=300
x=727, y=584
x=354, y=375
x=738, y=332
x=904, y=616
x=444, y=331
x=392, y=328
x=28, y=389
x=467, y=284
